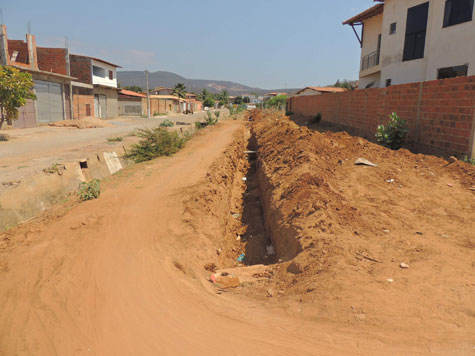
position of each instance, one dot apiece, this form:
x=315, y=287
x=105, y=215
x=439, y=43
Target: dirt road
x=110, y=277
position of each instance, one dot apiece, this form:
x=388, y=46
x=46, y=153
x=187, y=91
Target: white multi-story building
x=404, y=41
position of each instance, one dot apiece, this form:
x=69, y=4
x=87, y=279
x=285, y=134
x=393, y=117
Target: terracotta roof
x=132, y=93
x=372, y=11
x=324, y=89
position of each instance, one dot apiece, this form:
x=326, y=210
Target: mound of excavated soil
x=345, y=230
x=387, y=248
x=86, y=123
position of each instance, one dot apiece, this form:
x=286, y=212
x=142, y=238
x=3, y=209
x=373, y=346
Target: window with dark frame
x=452, y=72
x=457, y=11
x=111, y=75
x=388, y=82
x=416, y=28
x=392, y=28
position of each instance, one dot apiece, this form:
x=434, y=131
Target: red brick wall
x=439, y=113
x=81, y=68
x=52, y=59
x=82, y=98
x=21, y=47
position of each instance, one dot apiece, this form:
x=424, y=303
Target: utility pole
x=148, y=94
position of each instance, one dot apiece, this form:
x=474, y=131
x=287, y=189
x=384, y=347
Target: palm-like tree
x=180, y=90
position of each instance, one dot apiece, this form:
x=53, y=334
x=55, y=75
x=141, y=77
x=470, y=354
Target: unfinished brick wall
x=52, y=59
x=21, y=47
x=83, y=103
x=81, y=68
x=440, y=113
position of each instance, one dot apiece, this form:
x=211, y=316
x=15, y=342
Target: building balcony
x=370, y=60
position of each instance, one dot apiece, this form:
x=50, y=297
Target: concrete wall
x=38, y=192
x=112, y=102
x=444, y=47
x=440, y=113
x=104, y=80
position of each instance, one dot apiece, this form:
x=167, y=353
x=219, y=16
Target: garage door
x=49, y=102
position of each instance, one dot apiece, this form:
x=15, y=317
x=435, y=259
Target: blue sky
x=261, y=43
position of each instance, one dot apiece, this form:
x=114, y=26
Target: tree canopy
x=16, y=88
x=135, y=88
x=180, y=90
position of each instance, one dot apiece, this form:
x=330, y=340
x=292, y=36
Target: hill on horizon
x=169, y=79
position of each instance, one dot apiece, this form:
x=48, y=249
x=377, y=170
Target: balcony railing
x=370, y=60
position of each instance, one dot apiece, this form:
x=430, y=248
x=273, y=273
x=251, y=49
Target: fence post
x=417, y=138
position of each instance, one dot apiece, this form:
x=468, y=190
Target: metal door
x=103, y=104
x=96, y=106
x=49, y=102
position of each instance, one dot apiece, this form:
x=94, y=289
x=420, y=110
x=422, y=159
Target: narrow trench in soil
x=257, y=240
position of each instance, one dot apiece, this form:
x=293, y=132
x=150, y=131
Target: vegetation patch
x=4, y=137
x=114, y=139
x=316, y=119
x=208, y=121
x=393, y=135
x=89, y=190
x=167, y=123
x=156, y=142
x=469, y=160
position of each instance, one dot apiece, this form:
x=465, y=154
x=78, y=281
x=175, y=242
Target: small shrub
x=469, y=160
x=316, y=119
x=289, y=113
x=4, y=137
x=89, y=190
x=394, y=134
x=167, y=123
x=114, y=139
x=156, y=142
x=217, y=113
x=208, y=121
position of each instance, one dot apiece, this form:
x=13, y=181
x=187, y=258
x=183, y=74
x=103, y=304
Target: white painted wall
x=371, y=30
x=444, y=47
x=104, y=80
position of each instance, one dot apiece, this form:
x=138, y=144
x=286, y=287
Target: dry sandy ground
x=123, y=274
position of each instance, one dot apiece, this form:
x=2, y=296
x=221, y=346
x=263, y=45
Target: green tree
x=277, y=102
x=180, y=90
x=224, y=97
x=203, y=95
x=16, y=88
x=209, y=102
x=238, y=100
x=347, y=84
x=246, y=100
x=135, y=88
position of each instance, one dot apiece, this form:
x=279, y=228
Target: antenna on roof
x=66, y=42
x=28, y=27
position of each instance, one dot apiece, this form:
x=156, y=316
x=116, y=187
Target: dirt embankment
x=341, y=232
x=346, y=229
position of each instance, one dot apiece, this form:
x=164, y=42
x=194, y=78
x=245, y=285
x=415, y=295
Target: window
x=392, y=28
x=452, y=72
x=388, y=82
x=111, y=75
x=98, y=72
x=416, y=27
x=457, y=11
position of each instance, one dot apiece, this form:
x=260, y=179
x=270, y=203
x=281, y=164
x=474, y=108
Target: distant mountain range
x=169, y=79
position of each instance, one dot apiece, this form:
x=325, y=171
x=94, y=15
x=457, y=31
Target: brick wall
x=83, y=102
x=81, y=68
x=21, y=47
x=440, y=113
x=52, y=59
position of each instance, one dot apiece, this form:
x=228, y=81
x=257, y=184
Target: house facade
x=132, y=103
x=404, y=41
x=161, y=91
x=52, y=80
x=95, y=91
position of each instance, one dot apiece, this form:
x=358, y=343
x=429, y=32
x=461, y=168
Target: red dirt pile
x=346, y=230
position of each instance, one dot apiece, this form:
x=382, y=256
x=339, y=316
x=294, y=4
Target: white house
x=404, y=41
